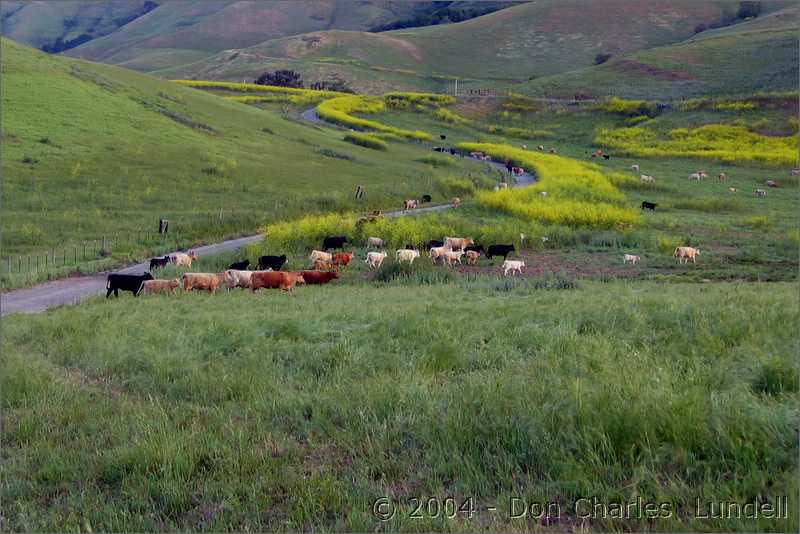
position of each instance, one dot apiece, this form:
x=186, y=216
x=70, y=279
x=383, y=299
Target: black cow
x=240, y=265
x=476, y=248
x=271, y=262
x=126, y=282
x=499, y=250
x=442, y=137
x=334, y=241
x=433, y=243
x=439, y=149
x=606, y=156
x=649, y=205
x=159, y=262
x=426, y=198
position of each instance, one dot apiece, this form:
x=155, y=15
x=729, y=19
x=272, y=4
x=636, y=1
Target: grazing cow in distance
x=321, y=256
x=375, y=259
x=512, y=265
x=126, y=282
x=732, y=189
x=552, y=150
x=322, y=265
x=606, y=156
x=342, y=259
x=645, y=179
x=635, y=168
x=375, y=242
x=597, y=153
x=426, y=198
x=151, y=287
x=630, y=258
x=458, y=243
x=238, y=278
x=649, y=205
x=686, y=253
x=433, y=243
x=239, y=265
x=472, y=256
x=319, y=277
x=409, y=205
x=499, y=250
x=695, y=176
x=723, y=177
x=438, y=252
x=540, y=147
x=203, y=281
x=337, y=241
x=760, y=193
x=182, y=259
x=452, y=256
x=771, y=183
x=158, y=262
x=275, y=280
x=271, y=262
x=406, y=255
x=795, y=172
x=455, y=202
x=502, y=185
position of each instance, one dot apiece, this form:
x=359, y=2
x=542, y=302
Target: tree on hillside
x=748, y=9
x=599, y=59
x=281, y=78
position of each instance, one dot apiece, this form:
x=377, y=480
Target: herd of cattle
x=697, y=177
x=325, y=266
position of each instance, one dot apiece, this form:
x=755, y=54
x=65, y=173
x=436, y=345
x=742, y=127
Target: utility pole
x=455, y=93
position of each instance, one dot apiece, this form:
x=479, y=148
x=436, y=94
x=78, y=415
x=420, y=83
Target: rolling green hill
x=512, y=45
x=757, y=55
x=55, y=26
x=92, y=149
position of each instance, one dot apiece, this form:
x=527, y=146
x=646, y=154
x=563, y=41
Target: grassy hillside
x=91, y=150
x=758, y=55
x=67, y=23
x=281, y=412
x=181, y=31
x=512, y=45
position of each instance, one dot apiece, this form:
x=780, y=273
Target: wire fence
x=84, y=252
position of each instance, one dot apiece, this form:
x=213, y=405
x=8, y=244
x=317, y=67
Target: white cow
x=235, y=278
x=630, y=258
x=375, y=259
x=406, y=255
x=512, y=265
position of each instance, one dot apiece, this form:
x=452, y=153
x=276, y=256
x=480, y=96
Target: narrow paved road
x=72, y=290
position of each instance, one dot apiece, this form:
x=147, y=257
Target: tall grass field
x=298, y=412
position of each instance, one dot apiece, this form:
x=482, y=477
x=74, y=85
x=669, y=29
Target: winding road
x=70, y=291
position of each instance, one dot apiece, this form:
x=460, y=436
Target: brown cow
x=207, y=281
x=319, y=277
x=342, y=259
x=151, y=287
x=275, y=279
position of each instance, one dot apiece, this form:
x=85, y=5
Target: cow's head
x=147, y=276
x=174, y=283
